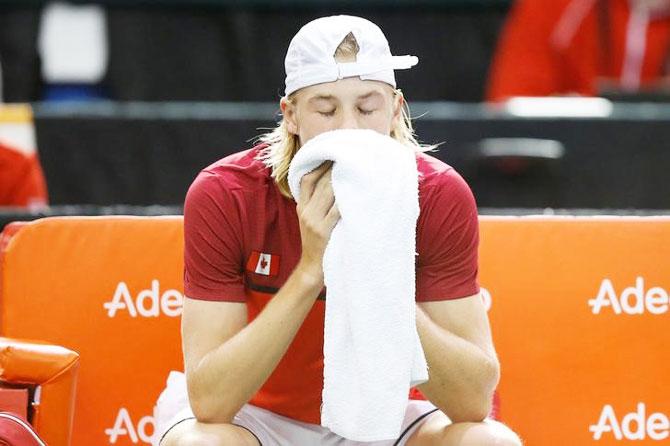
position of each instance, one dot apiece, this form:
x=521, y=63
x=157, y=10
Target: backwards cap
x=310, y=58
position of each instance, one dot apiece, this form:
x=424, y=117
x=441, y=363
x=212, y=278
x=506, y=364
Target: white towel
x=171, y=404
x=372, y=351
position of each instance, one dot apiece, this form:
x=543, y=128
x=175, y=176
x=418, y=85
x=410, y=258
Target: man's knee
x=508, y=441
x=438, y=430
x=501, y=435
x=189, y=439
x=192, y=433
x=480, y=434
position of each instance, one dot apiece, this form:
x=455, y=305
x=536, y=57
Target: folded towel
x=372, y=351
x=172, y=402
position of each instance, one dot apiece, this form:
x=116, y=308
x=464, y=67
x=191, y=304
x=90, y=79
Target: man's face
x=348, y=103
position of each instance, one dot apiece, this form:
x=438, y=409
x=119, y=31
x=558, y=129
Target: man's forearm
x=229, y=376
x=462, y=377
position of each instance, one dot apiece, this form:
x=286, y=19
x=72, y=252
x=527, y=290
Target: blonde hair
x=282, y=145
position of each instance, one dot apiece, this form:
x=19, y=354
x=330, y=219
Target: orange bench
x=110, y=289
x=578, y=312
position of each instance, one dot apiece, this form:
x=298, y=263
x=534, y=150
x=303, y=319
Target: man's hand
x=318, y=215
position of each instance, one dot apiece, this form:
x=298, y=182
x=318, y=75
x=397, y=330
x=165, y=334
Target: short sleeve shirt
x=242, y=241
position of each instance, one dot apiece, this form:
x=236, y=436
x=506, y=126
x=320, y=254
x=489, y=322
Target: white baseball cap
x=310, y=58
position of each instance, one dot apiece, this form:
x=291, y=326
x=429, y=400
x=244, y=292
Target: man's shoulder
x=439, y=182
x=434, y=172
x=240, y=170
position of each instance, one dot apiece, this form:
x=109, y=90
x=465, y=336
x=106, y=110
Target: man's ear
x=288, y=111
x=398, y=104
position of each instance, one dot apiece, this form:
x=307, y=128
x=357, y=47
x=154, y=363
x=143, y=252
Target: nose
x=349, y=120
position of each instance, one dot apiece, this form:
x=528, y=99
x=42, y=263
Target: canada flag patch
x=263, y=264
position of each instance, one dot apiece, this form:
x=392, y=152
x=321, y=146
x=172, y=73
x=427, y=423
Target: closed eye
x=328, y=113
x=365, y=112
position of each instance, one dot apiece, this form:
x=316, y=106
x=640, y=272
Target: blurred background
x=543, y=105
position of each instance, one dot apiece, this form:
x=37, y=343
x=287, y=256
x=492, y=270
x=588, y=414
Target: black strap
x=397, y=442
x=193, y=418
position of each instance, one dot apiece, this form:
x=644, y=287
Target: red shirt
x=21, y=179
x=234, y=212
x=560, y=47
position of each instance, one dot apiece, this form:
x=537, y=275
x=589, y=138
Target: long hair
x=282, y=145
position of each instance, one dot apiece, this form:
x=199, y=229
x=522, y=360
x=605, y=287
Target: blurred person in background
x=22, y=181
x=260, y=381
x=582, y=47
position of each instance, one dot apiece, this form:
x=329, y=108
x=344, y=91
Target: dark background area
x=234, y=50
x=143, y=154
x=440, y=37
x=189, y=82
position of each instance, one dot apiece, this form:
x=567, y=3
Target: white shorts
x=272, y=429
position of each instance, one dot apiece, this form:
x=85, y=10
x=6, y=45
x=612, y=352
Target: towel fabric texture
x=372, y=351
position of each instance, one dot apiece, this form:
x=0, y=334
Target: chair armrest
x=54, y=370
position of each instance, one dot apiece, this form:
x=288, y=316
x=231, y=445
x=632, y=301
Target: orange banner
x=578, y=308
x=579, y=311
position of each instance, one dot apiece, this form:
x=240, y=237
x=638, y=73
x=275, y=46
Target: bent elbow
x=492, y=380
x=474, y=413
x=494, y=371
x=207, y=411
x=206, y=407
x=481, y=404
x=200, y=409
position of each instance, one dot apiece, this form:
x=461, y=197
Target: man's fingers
x=324, y=184
x=333, y=216
x=323, y=196
x=310, y=181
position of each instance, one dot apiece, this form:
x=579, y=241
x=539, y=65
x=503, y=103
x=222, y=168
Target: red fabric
x=14, y=401
x=21, y=179
x=15, y=431
x=234, y=211
x=531, y=61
